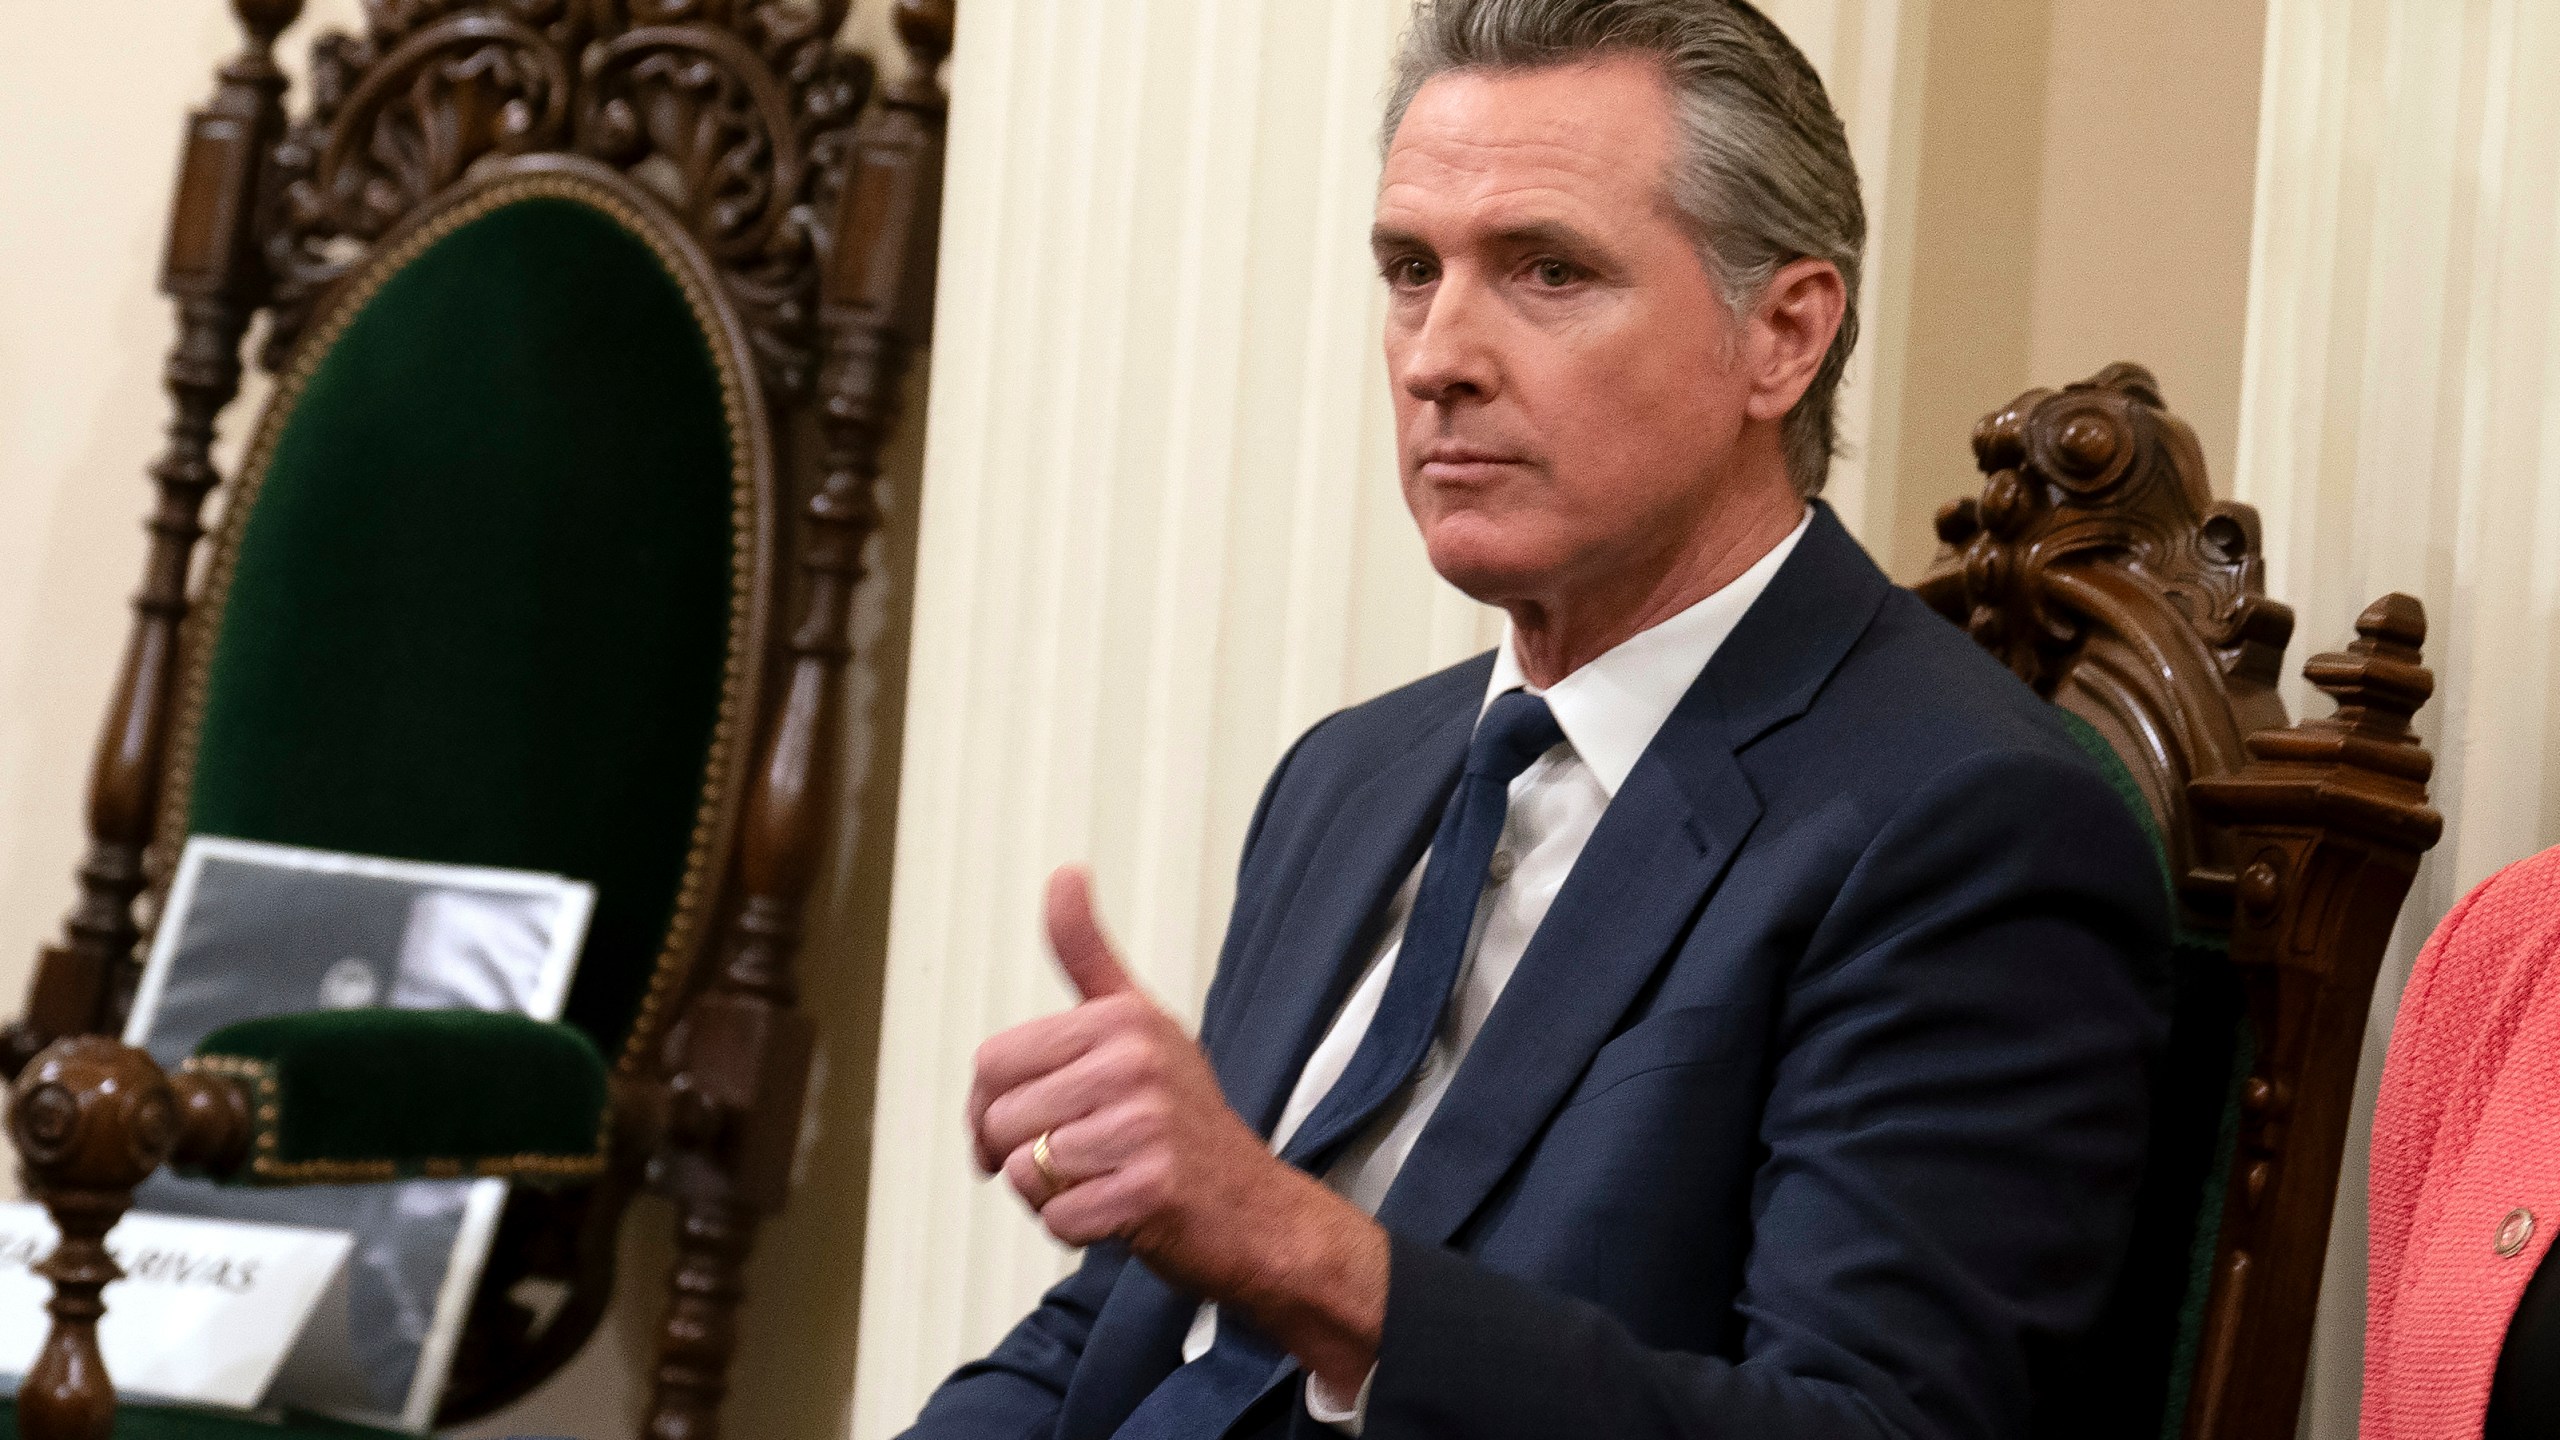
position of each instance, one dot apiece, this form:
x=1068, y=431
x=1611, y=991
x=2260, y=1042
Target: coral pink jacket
x=2466, y=1156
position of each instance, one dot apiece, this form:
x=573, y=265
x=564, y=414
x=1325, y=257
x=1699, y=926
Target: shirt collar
x=1610, y=708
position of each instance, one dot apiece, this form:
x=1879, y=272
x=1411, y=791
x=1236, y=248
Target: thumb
x=1077, y=939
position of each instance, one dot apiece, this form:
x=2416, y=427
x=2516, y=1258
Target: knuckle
x=1146, y=1067
x=1150, y=1118
x=1150, y=1182
x=992, y=1120
x=1122, y=1061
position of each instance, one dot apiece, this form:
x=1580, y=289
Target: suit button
x=2514, y=1232
x=1499, y=871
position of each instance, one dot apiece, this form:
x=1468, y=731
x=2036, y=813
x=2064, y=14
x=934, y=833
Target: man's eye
x=1409, y=271
x=1554, y=274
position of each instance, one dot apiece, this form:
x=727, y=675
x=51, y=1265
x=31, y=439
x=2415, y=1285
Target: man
x=1724, y=1010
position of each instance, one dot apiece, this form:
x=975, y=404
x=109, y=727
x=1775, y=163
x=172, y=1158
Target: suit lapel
x=1316, y=952
x=1665, y=840
x=1630, y=899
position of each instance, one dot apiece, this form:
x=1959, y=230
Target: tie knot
x=1516, y=729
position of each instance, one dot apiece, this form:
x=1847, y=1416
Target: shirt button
x=2514, y=1232
x=1501, y=867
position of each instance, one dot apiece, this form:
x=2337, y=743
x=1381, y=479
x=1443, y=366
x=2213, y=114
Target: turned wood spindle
x=740, y=1060
x=211, y=270
x=92, y=1118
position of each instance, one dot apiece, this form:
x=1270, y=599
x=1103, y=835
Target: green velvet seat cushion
x=345, y=1095
x=139, y=1422
x=482, y=605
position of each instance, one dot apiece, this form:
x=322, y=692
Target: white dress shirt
x=1609, y=711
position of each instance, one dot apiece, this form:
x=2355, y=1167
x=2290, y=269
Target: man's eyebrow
x=1529, y=235
x=1383, y=239
x=1545, y=234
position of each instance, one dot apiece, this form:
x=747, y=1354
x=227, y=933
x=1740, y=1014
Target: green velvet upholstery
x=2137, y=1367
x=345, y=1095
x=483, y=604
x=140, y=1422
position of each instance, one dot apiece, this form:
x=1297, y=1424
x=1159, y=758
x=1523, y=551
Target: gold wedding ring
x=1041, y=1161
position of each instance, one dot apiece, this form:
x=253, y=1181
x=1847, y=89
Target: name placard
x=205, y=1313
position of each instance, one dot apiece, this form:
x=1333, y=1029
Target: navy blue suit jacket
x=1815, y=1108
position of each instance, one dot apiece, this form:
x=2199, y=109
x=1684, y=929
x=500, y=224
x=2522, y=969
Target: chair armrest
x=352, y=1096
x=323, y=1098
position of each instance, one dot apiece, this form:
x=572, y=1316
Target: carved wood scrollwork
x=2102, y=469
x=2098, y=567
x=736, y=113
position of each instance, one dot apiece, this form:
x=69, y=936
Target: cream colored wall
x=2083, y=197
x=92, y=97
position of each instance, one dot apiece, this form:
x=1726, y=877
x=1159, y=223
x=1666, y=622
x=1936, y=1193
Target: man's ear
x=1790, y=333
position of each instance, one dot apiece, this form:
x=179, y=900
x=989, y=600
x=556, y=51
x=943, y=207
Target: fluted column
x=2403, y=366
x=1161, y=535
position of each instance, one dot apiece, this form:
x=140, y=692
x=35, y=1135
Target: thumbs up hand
x=1141, y=1146
x=1135, y=1122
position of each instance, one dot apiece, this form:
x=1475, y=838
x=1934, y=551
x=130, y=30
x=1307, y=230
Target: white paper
x=206, y=1312
x=253, y=929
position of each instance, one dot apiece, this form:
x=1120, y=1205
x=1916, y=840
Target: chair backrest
x=493, y=576
x=2098, y=566
x=590, y=319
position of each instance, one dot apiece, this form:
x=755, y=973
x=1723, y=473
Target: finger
x=1098, y=1078
x=1107, y=1207
x=1023, y=1173
x=1067, y=1169
x=1084, y=1153
x=1076, y=937
x=1015, y=1057
x=1090, y=1213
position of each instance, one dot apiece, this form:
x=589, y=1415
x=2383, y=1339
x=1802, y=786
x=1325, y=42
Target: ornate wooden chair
x=2098, y=566
x=588, y=318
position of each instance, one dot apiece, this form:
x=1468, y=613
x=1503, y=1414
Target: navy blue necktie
x=1202, y=1400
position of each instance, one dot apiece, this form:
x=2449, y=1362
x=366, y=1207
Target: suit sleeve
x=1017, y=1389
x=1014, y=1393
x=1952, y=1133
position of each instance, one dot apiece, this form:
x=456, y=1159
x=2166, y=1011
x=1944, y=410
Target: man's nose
x=1450, y=356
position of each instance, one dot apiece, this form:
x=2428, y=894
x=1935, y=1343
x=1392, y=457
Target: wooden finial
x=266, y=19
x=2394, y=623
x=91, y=1118
x=2379, y=680
x=925, y=27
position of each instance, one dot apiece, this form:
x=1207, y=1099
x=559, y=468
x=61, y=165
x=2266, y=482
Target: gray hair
x=1764, y=177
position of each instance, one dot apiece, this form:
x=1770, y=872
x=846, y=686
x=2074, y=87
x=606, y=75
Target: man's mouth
x=1452, y=462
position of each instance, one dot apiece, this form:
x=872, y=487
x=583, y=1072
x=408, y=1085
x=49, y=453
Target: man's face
x=1567, y=388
